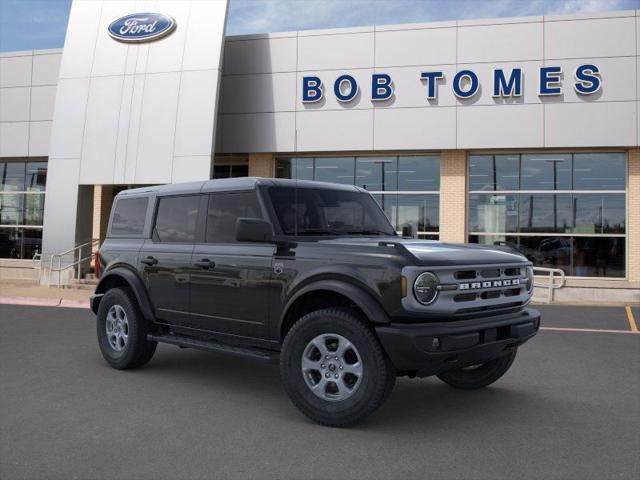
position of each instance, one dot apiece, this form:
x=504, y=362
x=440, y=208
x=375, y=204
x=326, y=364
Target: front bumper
x=432, y=348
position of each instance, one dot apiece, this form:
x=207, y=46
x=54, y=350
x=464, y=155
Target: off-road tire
x=481, y=376
x=378, y=378
x=137, y=351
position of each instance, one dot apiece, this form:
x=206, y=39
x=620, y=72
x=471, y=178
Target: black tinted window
x=224, y=210
x=311, y=211
x=128, y=216
x=176, y=219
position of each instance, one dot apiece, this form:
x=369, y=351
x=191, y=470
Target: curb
x=44, y=302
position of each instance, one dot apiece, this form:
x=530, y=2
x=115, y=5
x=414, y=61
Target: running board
x=213, y=346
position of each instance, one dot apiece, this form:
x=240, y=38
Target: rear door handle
x=149, y=261
x=205, y=263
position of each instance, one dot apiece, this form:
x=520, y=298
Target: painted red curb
x=44, y=302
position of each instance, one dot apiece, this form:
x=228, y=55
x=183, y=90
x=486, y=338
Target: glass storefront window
x=335, y=170
x=22, y=187
x=377, y=174
x=494, y=172
x=599, y=171
x=580, y=230
x=401, y=178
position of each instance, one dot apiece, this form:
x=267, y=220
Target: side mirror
x=253, y=230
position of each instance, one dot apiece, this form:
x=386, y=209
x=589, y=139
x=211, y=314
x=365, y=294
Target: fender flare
x=136, y=284
x=358, y=295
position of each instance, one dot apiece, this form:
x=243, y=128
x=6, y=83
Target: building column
x=633, y=225
x=261, y=165
x=102, y=202
x=453, y=196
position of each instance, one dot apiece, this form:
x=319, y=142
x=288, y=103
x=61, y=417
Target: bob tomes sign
x=141, y=27
x=465, y=84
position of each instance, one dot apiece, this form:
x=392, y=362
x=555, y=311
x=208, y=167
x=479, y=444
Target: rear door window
x=129, y=216
x=224, y=210
x=176, y=219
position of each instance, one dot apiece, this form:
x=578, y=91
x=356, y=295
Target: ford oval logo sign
x=141, y=27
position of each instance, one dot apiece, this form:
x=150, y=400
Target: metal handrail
x=551, y=276
x=78, y=248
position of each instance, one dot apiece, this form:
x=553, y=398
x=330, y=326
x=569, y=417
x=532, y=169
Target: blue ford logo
x=141, y=27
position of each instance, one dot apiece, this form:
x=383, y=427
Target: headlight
x=425, y=288
x=529, y=279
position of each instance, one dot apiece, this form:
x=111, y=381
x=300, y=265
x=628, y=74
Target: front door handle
x=205, y=263
x=149, y=261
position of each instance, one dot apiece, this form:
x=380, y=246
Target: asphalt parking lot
x=568, y=409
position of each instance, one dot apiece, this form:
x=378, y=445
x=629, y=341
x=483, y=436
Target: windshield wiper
x=367, y=232
x=318, y=231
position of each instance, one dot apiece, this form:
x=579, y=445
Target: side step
x=213, y=346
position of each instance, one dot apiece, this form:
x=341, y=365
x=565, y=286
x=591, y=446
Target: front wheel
x=334, y=369
x=481, y=375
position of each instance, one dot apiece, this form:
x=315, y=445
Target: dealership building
x=514, y=131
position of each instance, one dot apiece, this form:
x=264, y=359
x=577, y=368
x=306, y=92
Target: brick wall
x=453, y=196
x=261, y=165
x=633, y=227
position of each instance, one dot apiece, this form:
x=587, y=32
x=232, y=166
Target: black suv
x=310, y=275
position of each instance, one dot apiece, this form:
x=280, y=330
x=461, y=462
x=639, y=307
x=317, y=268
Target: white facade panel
x=14, y=139
x=334, y=130
x=196, y=108
x=132, y=135
x=42, y=102
x=329, y=100
x=204, y=40
x=66, y=133
x=500, y=43
x=101, y=130
x=259, y=93
x=80, y=41
x=166, y=56
x=333, y=52
x=415, y=128
x=15, y=71
x=110, y=57
x=157, y=128
x=591, y=124
x=428, y=46
x=191, y=168
x=14, y=104
x=506, y=126
x=260, y=56
x=46, y=69
x=608, y=37
x=39, y=137
x=259, y=132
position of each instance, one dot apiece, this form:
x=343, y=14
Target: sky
x=34, y=24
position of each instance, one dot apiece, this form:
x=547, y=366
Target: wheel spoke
x=354, y=369
x=343, y=347
x=308, y=364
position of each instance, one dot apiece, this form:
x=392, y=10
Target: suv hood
x=433, y=253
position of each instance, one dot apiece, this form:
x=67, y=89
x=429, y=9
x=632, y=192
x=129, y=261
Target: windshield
x=316, y=211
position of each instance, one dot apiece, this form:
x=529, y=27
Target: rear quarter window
x=129, y=216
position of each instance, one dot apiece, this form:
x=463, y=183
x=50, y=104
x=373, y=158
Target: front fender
x=364, y=300
x=118, y=275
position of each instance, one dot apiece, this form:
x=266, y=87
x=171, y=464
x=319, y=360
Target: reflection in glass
x=494, y=172
x=421, y=212
x=540, y=212
x=377, y=174
x=36, y=176
x=600, y=213
x=11, y=209
x=599, y=257
x=335, y=170
x=599, y=171
x=33, y=209
x=546, y=172
x=419, y=174
x=13, y=177
x=493, y=213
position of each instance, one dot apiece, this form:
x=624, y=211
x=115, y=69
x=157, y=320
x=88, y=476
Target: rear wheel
x=334, y=369
x=481, y=375
x=122, y=330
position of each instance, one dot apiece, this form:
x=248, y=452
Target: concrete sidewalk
x=17, y=293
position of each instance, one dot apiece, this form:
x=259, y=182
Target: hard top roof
x=232, y=184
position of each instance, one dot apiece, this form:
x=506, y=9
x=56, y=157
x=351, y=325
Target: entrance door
x=165, y=260
x=230, y=283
